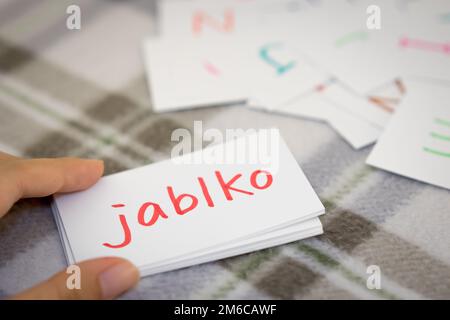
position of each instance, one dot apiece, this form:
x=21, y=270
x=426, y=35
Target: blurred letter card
x=416, y=142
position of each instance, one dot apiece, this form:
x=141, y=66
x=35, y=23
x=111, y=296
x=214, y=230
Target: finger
x=104, y=278
x=43, y=177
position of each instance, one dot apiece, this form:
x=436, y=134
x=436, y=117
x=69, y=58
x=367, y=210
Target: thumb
x=104, y=278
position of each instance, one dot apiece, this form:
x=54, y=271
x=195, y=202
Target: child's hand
x=103, y=278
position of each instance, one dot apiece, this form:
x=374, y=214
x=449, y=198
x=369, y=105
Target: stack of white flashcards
x=228, y=199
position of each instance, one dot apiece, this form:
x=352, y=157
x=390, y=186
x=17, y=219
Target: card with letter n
x=231, y=198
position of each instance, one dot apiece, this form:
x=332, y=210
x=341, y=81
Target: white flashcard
x=227, y=199
x=416, y=142
x=186, y=74
x=181, y=76
x=337, y=39
x=353, y=116
x=355, y=104
x=356, y=131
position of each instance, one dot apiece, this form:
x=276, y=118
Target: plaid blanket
x=83, y=93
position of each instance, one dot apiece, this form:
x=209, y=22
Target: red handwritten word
x=150, y=212
x=406, y=42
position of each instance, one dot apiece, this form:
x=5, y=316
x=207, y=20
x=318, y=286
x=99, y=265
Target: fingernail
x=97, y=162
x=117, y=279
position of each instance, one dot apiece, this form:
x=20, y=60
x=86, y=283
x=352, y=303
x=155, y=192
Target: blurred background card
x=416, y=143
